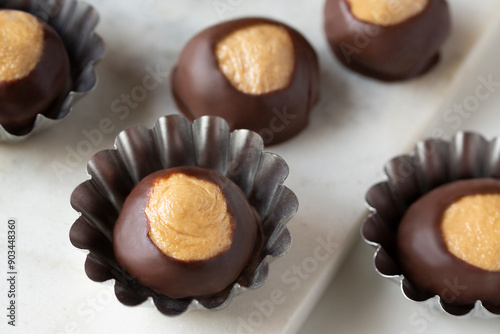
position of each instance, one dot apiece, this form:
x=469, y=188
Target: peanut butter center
x=386, y=12
x=188, y=218
x=471, y=230
x=257, y=59
x=21, y=44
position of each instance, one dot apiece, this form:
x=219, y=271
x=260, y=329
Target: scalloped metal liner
x=432, y=163
x=174, y=141
x=74, y=21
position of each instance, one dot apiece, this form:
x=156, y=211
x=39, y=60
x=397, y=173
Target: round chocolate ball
x=448, y=242
x=256, y=73
x=34, y=70
x=387, y=40
x=185, y=232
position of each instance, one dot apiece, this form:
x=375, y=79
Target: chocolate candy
x=425, y=258
x=150, y=265
x=386, y=48
x=27, y=92
x=202, y=83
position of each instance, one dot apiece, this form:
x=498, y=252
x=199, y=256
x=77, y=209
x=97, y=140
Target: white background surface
x=358, y=125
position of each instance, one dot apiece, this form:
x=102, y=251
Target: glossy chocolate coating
x=145, y=262
x=424, y=257
x=396, y=52
x=200, y=88
x=23, y=99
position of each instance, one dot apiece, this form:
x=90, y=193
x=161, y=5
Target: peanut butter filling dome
x=21, y=44
x=188, y=218
x=471, y=230
x=257, y=59
x=386, y=12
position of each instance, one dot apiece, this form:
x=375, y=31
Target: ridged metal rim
x=74, y=21
x=174, y=141
x=433, y=162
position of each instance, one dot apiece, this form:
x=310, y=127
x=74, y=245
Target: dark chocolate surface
x=396, y=52
x=200, y=88
x=140, y=258
x=21, y=100
x=424, y=257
